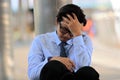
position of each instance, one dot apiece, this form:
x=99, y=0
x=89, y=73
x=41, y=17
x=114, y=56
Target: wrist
x=77, y=34
x=49, y=58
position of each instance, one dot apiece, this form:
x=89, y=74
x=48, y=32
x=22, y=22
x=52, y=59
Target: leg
x=87, y=73
x=55, y=70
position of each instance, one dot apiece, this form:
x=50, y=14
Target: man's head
x=64, y=31
x=69, y=9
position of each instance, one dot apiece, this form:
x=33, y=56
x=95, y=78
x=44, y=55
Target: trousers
x=55, y=70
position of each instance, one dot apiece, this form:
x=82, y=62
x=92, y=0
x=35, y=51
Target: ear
x=82, y=24
x=56, y=23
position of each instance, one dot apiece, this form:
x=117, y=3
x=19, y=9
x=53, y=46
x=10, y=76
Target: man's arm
x=36, y=60
x=82, y=47
x=82, y=51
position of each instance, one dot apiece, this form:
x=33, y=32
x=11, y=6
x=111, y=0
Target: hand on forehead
x=68, y=19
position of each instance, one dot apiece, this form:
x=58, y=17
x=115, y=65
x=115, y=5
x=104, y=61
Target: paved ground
x=105, y=60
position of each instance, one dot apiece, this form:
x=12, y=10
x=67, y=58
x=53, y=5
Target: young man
x=59, y=54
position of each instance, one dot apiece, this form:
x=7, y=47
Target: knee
x=87, y=73
x=53, y=70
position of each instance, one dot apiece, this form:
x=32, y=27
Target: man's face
x=63, y=32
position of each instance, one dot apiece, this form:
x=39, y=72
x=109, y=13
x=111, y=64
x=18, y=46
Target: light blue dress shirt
x=79, y=50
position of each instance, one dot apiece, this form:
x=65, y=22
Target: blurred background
x=22, y=20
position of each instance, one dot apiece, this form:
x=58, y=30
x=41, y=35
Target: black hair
x=69, y=9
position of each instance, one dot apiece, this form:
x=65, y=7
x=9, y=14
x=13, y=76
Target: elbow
x=32, y=75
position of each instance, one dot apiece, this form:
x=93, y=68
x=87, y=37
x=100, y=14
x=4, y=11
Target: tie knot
x=63, y=43
x=62, y=49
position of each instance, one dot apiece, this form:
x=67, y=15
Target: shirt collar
x=70, y=42
x=56, y=38
x=58, y=41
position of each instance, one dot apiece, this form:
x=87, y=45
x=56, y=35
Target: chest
x=54, y=49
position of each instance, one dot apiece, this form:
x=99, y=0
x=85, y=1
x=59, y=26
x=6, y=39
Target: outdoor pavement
x=105, y=60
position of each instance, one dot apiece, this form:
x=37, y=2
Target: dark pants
x=55, y=70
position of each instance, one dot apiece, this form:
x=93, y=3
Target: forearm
x=82, y=51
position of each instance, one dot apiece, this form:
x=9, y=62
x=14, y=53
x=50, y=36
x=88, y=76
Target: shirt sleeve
x=82, y=51
x=36, y=60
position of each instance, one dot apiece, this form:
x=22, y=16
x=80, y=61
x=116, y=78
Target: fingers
x=64, y=24
x=70, y=68
x=70, y=65
x=75, y=17
x=66, y=20
x=70, y=19
x=73, y=65
x=66, y=61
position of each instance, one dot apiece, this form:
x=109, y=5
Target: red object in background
x=88, y=28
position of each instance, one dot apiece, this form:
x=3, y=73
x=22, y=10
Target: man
x=60, y=54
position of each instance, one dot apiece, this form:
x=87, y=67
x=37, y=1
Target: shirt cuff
x=78, y=40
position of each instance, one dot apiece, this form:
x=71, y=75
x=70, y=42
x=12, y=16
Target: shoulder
x=85, y=37
x=44, y=37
